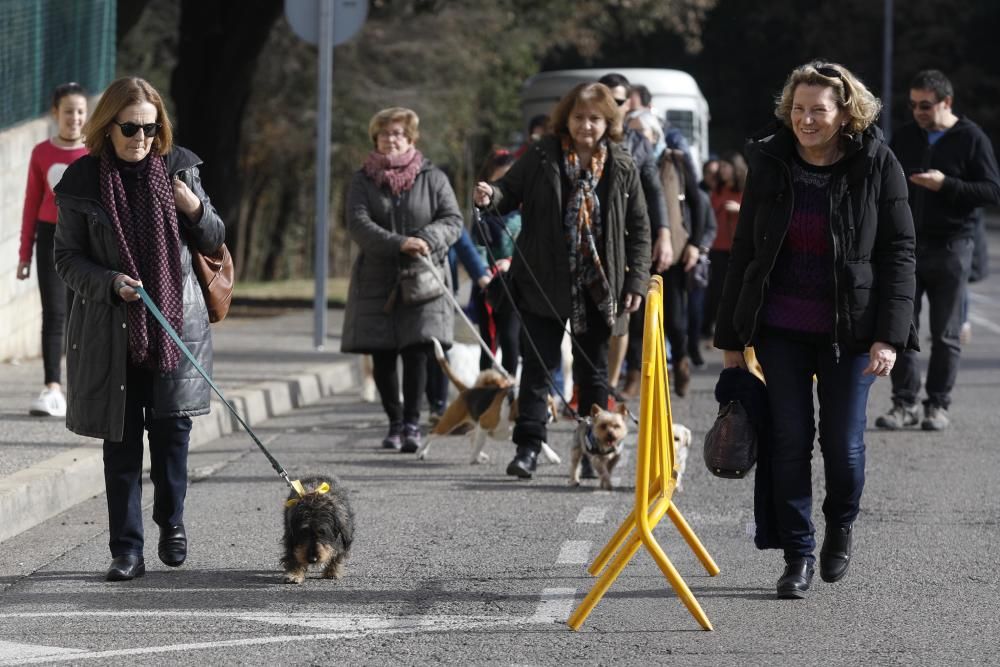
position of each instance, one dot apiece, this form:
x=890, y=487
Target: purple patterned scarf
x=149, y=247
x=397, y=171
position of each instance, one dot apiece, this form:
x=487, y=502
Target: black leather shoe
x=524, y=463
x=795, y=581
x=124, y=568
x=587, y=470
x=835, y=556
x=173, y=545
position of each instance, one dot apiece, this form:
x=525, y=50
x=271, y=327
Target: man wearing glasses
x=951, y=169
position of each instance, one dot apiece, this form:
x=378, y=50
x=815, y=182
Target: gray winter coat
x=534, y=183
x=86, y=257
x=379, y=223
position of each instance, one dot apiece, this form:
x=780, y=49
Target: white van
x=676, y=98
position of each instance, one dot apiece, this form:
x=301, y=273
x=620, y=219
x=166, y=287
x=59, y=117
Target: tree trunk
x=217, y=55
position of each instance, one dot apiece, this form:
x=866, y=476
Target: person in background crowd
x=643, y=154
x=537, y=127
x=952, y=170
x=495, y=236
x=585, y=236
x=463, y=252
x=400, y=208
x=820, y=282
x=709, y=175
x=49, y=160
x=726, y=199
x=127, y=214
x=698, y=282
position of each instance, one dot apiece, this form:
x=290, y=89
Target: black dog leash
x=295, y=485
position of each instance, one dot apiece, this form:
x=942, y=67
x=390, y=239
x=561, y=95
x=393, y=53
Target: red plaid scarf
x=149, y=249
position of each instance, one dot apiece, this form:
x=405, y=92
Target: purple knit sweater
x=800, y=294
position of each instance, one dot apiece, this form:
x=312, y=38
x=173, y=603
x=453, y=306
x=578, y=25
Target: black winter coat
x=535, y=184
x=965, y=156
x=872, y=239
x=86, y=257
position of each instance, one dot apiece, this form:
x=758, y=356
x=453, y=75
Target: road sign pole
x=323, y=169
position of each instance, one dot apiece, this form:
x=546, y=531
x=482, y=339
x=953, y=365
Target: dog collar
x=593, y=447
x=320, y=490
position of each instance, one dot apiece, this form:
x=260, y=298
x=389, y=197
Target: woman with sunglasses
x=49, y=160
x=820, y=282
x=128, y=213
x=582, y=255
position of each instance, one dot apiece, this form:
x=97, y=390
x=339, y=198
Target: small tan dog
x=600, y=437
x=682, y=445
x=489, y=407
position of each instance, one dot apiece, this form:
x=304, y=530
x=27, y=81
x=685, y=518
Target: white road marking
x=555, y=605
x=573, y=552
x=592, y=515
x=980, y=321
x=16, y=652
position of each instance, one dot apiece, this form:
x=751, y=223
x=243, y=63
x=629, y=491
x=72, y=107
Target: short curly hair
x=386, y=117
x=853, y=97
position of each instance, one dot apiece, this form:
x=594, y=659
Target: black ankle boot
x=524, y=463
x=173, y=545
x=795, y=581
x=126, y=567
x=835, y=556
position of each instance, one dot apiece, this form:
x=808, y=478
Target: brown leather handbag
x=216, y=275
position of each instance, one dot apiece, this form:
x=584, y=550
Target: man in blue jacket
x=951, y=169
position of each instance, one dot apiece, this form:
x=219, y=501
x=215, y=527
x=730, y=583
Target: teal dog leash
x=148, y=301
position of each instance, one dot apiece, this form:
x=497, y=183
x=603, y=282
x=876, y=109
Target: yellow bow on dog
x=320, y=490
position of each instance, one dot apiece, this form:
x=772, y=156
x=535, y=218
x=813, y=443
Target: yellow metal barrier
x=655, y=479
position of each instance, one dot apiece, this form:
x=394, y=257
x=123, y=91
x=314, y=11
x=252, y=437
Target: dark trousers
x=500, y=331
x=675, y=304
x=414, y=381
x=789, y=365
x=531, y=428
x=942, y=274
x=696, y=316
x=713, y=295
x=56, y=299
x=437, y=385
x=168, y=451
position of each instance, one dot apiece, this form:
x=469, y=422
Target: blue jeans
x=789, y=364
x=168, y=452
x=942, y=275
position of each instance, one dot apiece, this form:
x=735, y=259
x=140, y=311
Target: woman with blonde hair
x=400, y=210
x=585, y=238
x=821, y=283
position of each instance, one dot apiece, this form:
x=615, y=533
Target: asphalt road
x=459, y=564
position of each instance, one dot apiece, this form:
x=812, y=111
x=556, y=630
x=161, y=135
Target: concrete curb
x=31, y=496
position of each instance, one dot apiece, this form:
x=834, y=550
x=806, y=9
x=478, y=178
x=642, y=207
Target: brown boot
x=633, y=380
x=682, y=377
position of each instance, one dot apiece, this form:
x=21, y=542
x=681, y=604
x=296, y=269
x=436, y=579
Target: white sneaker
x=50, y=403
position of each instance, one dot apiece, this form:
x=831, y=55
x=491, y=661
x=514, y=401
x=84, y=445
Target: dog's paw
x=294, y=577
x=481, y=457
x=574, y=482
x=606, y=485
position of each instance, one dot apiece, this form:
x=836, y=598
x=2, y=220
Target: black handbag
x=731, y=443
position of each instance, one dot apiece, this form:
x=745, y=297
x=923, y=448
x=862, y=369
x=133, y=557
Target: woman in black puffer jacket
x=821, y=283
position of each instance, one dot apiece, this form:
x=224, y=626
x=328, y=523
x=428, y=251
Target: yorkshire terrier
x=319, y=529
x=600, y=437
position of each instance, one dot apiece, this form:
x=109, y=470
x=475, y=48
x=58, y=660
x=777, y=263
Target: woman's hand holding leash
x=733, y=359
x=631, y=302
x=415, y=247
x=882, y=357
x=124, y=287
x=483, y=194
x=187, y=201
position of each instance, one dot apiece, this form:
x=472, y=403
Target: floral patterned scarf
x=584, y=234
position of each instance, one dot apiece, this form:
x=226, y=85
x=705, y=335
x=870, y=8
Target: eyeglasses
x=833, y=73
x=620, y=102
x=923, y=105
x=386, y=134
x=129, y=129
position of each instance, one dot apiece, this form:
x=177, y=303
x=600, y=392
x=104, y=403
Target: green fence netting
x=44, y=43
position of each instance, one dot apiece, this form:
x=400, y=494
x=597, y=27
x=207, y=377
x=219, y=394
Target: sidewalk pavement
x=266, y=366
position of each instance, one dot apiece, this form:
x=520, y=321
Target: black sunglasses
x=129, y=129
x=834, y=73
x=620, y=102
x=923, y=105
